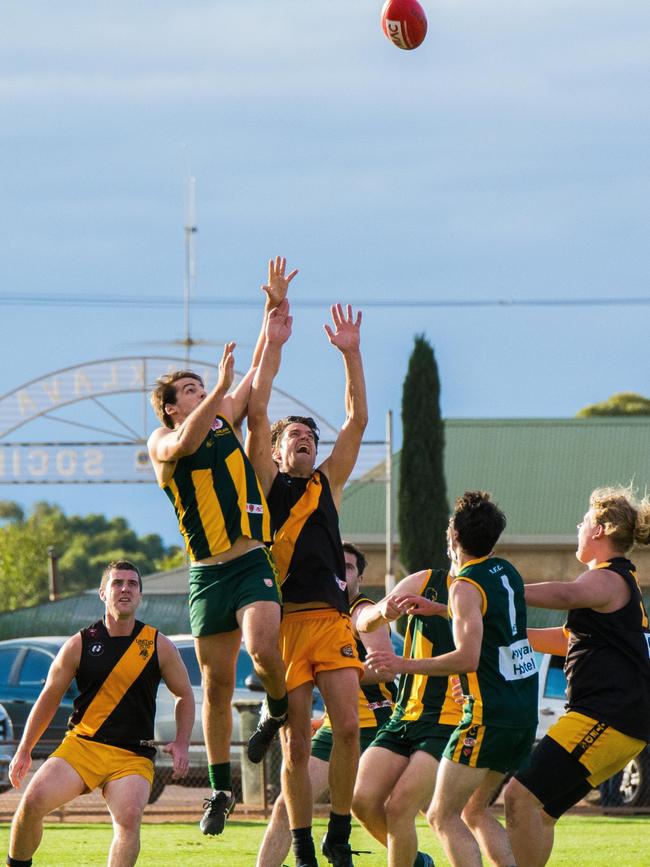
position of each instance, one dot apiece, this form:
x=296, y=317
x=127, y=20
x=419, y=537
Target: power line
x=43, y=300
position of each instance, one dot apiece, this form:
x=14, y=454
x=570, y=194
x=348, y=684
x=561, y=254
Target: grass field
x=584, y=841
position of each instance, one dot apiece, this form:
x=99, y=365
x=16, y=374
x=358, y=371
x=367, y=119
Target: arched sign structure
x=108, y=399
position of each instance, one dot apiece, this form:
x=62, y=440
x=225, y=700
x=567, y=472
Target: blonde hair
x=625, y=519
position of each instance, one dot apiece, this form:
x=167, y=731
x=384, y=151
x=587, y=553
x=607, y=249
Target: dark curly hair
x=478, y=521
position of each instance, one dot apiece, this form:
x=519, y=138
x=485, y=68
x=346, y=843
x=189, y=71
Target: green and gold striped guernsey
x=505, y=685
x=216, y=495
x=420, y=694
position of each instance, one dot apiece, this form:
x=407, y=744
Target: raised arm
x=176, y=678
x=346, y=336
x=258, y=441
x=59, y=678
x=167, y=446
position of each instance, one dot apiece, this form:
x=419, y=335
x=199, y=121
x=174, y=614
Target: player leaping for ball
x=316, y=637
x=201, y=466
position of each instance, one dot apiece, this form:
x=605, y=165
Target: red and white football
x=404, y=23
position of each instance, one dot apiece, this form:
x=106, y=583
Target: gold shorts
x=98, y=764
x=315, y=640
x=601, y=749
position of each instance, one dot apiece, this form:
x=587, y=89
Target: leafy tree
x=423, y=508
x=623, y=403
x=85, y=544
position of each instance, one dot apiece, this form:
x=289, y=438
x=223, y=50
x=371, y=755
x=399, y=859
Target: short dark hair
x=350, y=548
x=478, y=521
x=122, y=566
x=165, y=392
x=279, y=427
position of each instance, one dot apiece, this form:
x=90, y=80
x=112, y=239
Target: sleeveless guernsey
x=307, y=545
x=118, y=679
x=420, y=694
x=608, y=660
x=216, y=495
x=505, y=684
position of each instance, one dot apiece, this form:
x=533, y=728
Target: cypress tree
x=423, y=509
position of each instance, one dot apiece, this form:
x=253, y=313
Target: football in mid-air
x=404, y=23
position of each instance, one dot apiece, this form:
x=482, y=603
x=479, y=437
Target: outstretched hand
x=227, y=367
x=347, y=330
x=385, y=663
x=278, y=283
x=278, y=327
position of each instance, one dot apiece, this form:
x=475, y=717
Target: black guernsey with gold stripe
x=608, y=660
x=307, y=545
x=216, y=495
x=420, y=694
x=118, y=679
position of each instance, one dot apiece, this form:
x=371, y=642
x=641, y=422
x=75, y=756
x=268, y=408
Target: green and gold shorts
x=218, y=592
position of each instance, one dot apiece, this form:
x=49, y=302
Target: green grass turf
x=585, y=841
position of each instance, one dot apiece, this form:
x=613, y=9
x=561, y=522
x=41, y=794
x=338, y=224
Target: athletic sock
x=15, y=862
x=220, y=777
x=303, y=844
x=277, y=706
x=339, y=828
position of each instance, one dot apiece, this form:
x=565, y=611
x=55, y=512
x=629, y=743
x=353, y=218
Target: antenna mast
x=190, y=230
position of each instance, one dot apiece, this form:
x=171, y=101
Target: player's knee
x=296, y=751
x=515, y=797
x=264, y=656
x=364, y=805
x=33, y=806
x=128, y=819
x=217, y=690
x=346, y=731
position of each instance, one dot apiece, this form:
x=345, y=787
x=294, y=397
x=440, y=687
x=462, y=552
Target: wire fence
x=257, y=786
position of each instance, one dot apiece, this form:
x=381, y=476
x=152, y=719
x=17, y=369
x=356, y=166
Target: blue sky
x=506, y=158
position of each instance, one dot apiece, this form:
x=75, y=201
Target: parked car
x=7, y=748
x=634, y=786
x=24, y=664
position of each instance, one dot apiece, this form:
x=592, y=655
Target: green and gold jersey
x=216, y=495
x=421, y=694
x=505, y=685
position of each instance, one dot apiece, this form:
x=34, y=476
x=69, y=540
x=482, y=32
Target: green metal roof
x=540, y=471
x=168, y=612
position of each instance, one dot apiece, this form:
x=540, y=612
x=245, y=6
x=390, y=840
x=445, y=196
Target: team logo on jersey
x=431, y=593
x=145, y=646
x=342, y=584
x=217, y=424
x=96, y=649
x=348, y=651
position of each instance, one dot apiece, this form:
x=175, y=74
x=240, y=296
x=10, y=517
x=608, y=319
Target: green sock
x=220, y=777
x=277, y=706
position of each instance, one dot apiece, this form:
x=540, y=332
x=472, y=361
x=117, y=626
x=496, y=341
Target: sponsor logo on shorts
x=269, y=582
x=348, y=651
x=96, y=649
x=254, y=509
x=144, y=646
x=217, y=424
